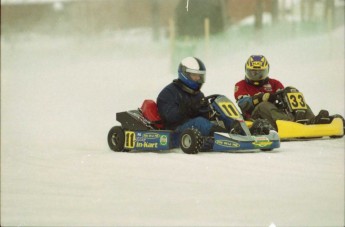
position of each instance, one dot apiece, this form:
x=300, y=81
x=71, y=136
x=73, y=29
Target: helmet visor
x=196, y=75
x=257, y=75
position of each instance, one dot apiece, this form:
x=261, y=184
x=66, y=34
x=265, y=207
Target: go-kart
x=142, y=130
x=292, y=100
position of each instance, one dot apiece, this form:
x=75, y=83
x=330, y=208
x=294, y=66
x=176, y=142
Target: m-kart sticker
x=142, y=137
x=146, y=145
x=163, y=140
x=227, y=143
x=146, y=140
x=151, y=135
x=262, y=142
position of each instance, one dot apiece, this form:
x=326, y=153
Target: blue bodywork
x=139, y=138
x=232, y=142
x=155, y=140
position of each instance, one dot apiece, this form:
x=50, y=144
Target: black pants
x=269, y=111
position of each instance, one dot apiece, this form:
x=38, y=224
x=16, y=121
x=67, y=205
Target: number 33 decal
x=296, y=101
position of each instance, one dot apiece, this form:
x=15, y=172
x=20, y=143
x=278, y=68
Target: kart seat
x=150, y=112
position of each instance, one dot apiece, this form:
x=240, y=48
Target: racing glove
x=191, y=107
x=264, y=97
x=246, y=104
x=198, y=106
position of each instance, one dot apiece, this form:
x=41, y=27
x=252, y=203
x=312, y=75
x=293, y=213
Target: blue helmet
x=192, y=73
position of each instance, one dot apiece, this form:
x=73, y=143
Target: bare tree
x=329, y=13
x=275, y=11
x=259, y=14
x=155, y=19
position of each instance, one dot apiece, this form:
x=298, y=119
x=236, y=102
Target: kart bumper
x=231, y=142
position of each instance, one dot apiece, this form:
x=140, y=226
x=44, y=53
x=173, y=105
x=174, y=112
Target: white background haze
x=59, y=97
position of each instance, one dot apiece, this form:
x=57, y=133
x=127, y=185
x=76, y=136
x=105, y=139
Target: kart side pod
x=190, y=141
x=232, y=142
x=137, y=133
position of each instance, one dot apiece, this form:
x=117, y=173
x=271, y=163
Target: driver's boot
x=300, y=117
x=322, y=118
x=261, y=127
x=236, y=128
x=217, y=128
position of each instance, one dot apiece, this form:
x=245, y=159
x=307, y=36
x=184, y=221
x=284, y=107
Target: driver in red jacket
x=256, y=96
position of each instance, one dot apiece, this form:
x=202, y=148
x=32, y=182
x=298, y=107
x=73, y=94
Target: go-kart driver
x=181, y=104
x=256, y=96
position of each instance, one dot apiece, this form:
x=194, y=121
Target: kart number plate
x=230, y=110
x=296, y=101
x=129, y=139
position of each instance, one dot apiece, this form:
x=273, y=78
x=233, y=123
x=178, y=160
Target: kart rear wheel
x=116, y=138
x=191, y=141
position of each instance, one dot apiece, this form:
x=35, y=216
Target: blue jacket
x=175, y=104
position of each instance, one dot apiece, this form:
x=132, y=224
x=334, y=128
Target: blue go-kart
x=141, y=130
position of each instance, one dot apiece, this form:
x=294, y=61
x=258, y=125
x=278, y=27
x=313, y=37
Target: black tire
x=116, y=138
x=191, y=141
x=270, y=149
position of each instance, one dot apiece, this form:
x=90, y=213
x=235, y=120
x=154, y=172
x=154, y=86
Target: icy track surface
x=58, y=101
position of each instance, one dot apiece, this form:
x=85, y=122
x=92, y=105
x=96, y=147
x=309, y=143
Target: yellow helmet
x=257, y=69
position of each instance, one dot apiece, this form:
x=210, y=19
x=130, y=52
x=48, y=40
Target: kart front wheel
x=269, y=149
x=191, y=141
x=116, y=138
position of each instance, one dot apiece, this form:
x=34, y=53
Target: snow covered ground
x=58, y=101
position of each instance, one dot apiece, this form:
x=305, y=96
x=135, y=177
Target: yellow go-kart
x=293, y=101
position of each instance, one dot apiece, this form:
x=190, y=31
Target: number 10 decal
x=229, y=109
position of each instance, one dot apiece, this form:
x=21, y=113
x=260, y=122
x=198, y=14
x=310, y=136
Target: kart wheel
x=191, y=141
x=116, y=138
x=266, y=149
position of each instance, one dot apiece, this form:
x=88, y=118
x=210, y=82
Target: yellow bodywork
x=290, y=130
x=249, y=124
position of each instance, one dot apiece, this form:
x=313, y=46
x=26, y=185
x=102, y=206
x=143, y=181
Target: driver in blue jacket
x=181, y=104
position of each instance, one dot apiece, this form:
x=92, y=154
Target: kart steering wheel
x=210, y=99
